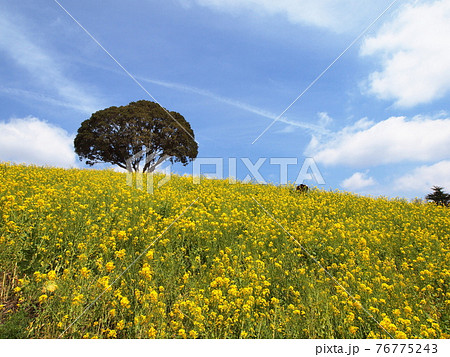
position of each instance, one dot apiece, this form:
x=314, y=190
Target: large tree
x=142, y=130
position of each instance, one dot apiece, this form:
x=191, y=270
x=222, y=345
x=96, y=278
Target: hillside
x=214, y=260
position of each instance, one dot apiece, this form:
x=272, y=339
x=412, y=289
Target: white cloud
x=21, y=47
x=358, y=181
x=414, y=49
x=336, y=15
x=32, y=141
x=423, y=178
x=324, y=119
x=393, y=140
x=27, y=95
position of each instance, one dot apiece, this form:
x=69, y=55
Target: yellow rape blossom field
x=84, y=255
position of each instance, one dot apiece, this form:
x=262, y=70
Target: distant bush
x=438, y=196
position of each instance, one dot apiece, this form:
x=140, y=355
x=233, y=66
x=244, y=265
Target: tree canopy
x=438, y=196
x=142, y=130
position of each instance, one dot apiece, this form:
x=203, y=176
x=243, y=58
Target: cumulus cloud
x=33, y=141
x=423, y=178
x=20, y=46
x=336, y=15
x=414, y=53
x=394, y=140
x=358, y=181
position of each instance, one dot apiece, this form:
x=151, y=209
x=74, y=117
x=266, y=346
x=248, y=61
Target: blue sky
x=375, y=123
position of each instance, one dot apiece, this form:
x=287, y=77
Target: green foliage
x=438, y=196
x=15, y=326
x=117, y=134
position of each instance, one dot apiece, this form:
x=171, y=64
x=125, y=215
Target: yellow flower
x=153, y=296
x=146, y=271
x=149, y=254
x=51, y=275
x=431, y=332
x=392, y=327
x=225, y=261
x=110, y=266
x=122, y=234
x=120, y=325
x=120, y=253
x=37, y=276
x=275, y=301
x=85, y=272
x=78, y=299
x=400, y=335
x=104, y=282
x=125, y=302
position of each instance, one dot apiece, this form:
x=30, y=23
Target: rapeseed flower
x=224, y=269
